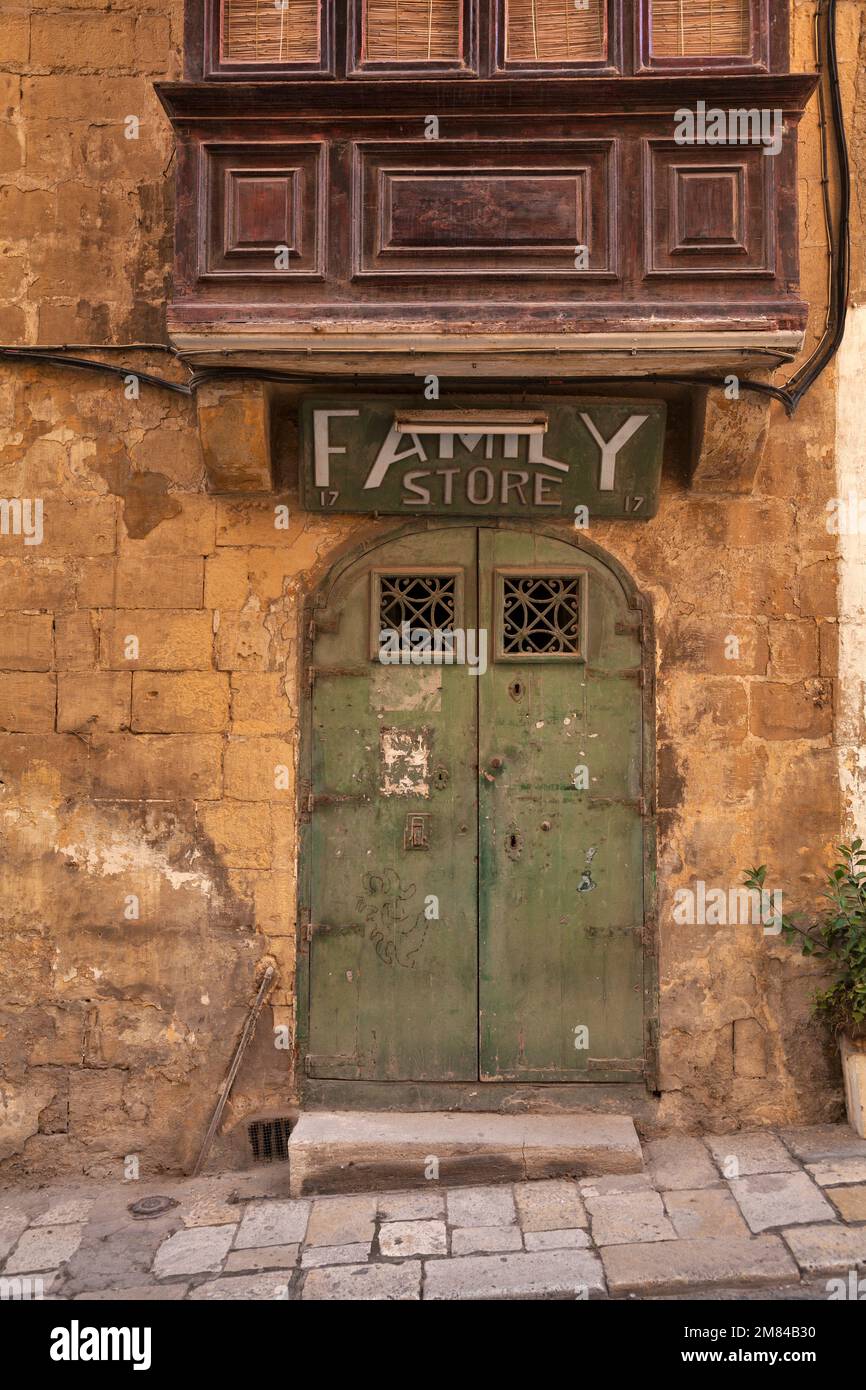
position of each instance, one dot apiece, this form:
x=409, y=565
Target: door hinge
x=634, y=1066
x=313, y=800
x=315, y=673
x=649, y=935
x=305, y=926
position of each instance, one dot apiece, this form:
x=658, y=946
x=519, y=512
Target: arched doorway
x=476, y=849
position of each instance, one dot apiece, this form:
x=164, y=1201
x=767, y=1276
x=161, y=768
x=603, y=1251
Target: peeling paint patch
x=413, y=690
x=587, y=882
x=405, y=762
x=107, y=854
x=146, y=499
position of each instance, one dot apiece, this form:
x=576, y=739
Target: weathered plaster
x=851, y=488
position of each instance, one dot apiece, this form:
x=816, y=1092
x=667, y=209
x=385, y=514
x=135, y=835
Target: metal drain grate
x=269, y=1140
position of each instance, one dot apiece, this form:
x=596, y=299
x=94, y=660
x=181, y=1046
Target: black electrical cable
x=805, y=377
x=789, y=395
x=90, y=364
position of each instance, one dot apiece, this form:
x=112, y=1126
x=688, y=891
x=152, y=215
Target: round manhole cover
x=152, y=1206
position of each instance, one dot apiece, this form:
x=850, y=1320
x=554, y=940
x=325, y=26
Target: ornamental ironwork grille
x=427, y=602
x=541, y=615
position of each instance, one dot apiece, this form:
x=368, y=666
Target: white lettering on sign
x=322, y=447
x=480, y=486
x=388, y=454
x=470, y=443
x=537, y=455
x=611, y=447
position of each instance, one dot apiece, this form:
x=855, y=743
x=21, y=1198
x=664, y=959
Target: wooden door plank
x=393, y=990
x=561, y=864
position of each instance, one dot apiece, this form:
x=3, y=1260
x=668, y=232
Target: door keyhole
x=513, y=844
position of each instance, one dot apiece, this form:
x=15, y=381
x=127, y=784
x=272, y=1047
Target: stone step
x=365, y=1151
x=674, y=1266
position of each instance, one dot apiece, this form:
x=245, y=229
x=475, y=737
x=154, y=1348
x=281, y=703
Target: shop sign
x=557, y=458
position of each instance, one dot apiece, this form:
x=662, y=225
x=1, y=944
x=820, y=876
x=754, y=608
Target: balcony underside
x=467, y=355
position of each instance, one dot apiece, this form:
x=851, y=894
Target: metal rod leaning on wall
x=268, y=981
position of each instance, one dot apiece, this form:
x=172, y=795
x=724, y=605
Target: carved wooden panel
x=265, y=210
x=477, y=232
x=488, y=208
x=708, y=210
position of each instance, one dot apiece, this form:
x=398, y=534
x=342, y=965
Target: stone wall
x=141, y=780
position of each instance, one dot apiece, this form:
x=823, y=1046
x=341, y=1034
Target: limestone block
x=234, y=427
x=27, y=701
x=88, y=700
x=177, y=703
x=168, y=640
x=791, y=710
x=26, y=642
x=729, y=437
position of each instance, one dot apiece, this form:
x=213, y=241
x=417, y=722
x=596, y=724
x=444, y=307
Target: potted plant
x=837, y=933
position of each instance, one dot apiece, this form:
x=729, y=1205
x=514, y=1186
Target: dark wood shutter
x=700, y=28
x=262, y=31
x=554, y=31
x=412, y=31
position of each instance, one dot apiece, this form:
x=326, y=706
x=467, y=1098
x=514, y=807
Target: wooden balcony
x=553, y=226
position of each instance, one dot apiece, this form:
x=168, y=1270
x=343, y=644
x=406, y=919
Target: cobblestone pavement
x=748, y=1215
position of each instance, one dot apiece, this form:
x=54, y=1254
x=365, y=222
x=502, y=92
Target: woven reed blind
x=553, y=31
x=412, y=31
x=700, y=28
x=270, y=31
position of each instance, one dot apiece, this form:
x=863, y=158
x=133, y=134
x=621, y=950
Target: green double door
x=473, y=853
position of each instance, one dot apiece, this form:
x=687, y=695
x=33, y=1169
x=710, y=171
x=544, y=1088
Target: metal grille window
x=427, y=602
x=541, y=615
x=412, y=31
x=700, y=28
x=270, y=31
x=554, y=31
